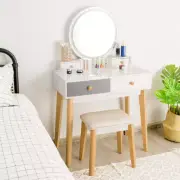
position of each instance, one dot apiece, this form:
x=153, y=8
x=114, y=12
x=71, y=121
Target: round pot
x=171, y=127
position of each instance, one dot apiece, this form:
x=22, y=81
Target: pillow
x=6, y=81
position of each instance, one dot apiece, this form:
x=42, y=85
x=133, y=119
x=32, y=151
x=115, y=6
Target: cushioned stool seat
x=111, y=120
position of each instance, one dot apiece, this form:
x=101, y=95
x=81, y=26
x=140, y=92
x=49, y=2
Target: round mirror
x=92, y=33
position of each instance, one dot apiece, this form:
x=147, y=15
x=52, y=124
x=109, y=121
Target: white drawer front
x=131, y=82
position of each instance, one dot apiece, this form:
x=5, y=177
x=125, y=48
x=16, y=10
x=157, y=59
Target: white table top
x=103, y=74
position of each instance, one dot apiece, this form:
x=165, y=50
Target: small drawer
x=131, y=82
x=88, y=87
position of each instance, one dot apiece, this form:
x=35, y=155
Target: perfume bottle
x=102, y=64
x=97, y=63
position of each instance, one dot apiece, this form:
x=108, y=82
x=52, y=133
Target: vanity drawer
x=88, y=87
x=131, y=82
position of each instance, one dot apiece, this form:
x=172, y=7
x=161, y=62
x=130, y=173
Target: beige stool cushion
x=108, y=118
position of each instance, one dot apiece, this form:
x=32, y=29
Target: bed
x=26, y=149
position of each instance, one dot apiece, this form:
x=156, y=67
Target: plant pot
x=171, y=127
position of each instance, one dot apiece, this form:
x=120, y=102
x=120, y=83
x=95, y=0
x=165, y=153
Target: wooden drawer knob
x=131, y=83
x=89, y=88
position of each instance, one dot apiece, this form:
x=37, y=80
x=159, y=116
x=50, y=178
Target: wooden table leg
x=69, y=132
x=127, y=103
x=59, y=106
x=143, y=120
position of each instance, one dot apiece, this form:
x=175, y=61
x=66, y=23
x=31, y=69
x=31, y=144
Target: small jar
x=124, y=63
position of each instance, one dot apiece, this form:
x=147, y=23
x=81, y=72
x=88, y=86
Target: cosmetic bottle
x=118, y=52
x=102, y=64
x=123, y=49
x=97, y=63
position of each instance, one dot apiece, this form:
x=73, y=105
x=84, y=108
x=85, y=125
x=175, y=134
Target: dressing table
x=93, y=86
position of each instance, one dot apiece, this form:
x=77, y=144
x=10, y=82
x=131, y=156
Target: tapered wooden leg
x=132, y=145
x=127, y=108
x=143, y=120
x=92, y=160
x=82, y=141
x=59, y=106
x=119, y=141
x=69, y=132
x=127, y=104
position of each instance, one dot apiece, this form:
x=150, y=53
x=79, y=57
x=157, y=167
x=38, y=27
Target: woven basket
x=171, y=127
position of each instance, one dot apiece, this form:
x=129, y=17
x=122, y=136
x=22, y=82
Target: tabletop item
x=124, y=64
x=79, y=71
x=123, y=50
x=86, y=65
x=118, y=51
x=74, y=64
x=102, y=64
x=69, y=71
x=66, y=52
x=97, y=63
x=92, y=33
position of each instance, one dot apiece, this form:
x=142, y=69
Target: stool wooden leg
x=132, y=145
x=119, y=141
x=82, y=141
x=92, y=160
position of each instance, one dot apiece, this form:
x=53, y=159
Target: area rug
x=164, y=166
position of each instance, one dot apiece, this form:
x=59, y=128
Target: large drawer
x=88, y=87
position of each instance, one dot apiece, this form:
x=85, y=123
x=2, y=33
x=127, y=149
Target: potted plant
x=170, y=95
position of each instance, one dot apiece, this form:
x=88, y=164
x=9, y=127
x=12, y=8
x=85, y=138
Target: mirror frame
x=73, y=22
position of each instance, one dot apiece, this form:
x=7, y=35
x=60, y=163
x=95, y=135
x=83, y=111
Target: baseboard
x=102, y=136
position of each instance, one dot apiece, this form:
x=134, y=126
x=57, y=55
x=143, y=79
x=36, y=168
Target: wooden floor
x=107, y=150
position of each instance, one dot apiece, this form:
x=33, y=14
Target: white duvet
x=26, y=150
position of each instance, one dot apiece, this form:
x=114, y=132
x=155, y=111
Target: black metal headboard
x=15, y=68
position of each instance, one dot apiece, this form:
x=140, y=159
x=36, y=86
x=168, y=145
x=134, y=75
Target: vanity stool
x=111, y=121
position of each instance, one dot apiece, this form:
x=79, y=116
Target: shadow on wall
x=57, y=54
x=43, y=97
x=156, y=109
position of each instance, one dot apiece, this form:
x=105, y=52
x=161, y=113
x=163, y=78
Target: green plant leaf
x=171, y=84
x=171, y=71
x=163, y=96
x=170, y=94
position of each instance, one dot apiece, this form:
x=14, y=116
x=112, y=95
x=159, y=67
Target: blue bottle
x=123, y=50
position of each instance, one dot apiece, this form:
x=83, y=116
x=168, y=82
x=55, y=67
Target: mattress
x=25, y=104
x=26, y=150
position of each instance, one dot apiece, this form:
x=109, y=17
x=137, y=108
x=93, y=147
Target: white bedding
x=26, y=150
x=25, y=104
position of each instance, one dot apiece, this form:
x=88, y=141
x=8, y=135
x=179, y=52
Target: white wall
x=31, y=29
